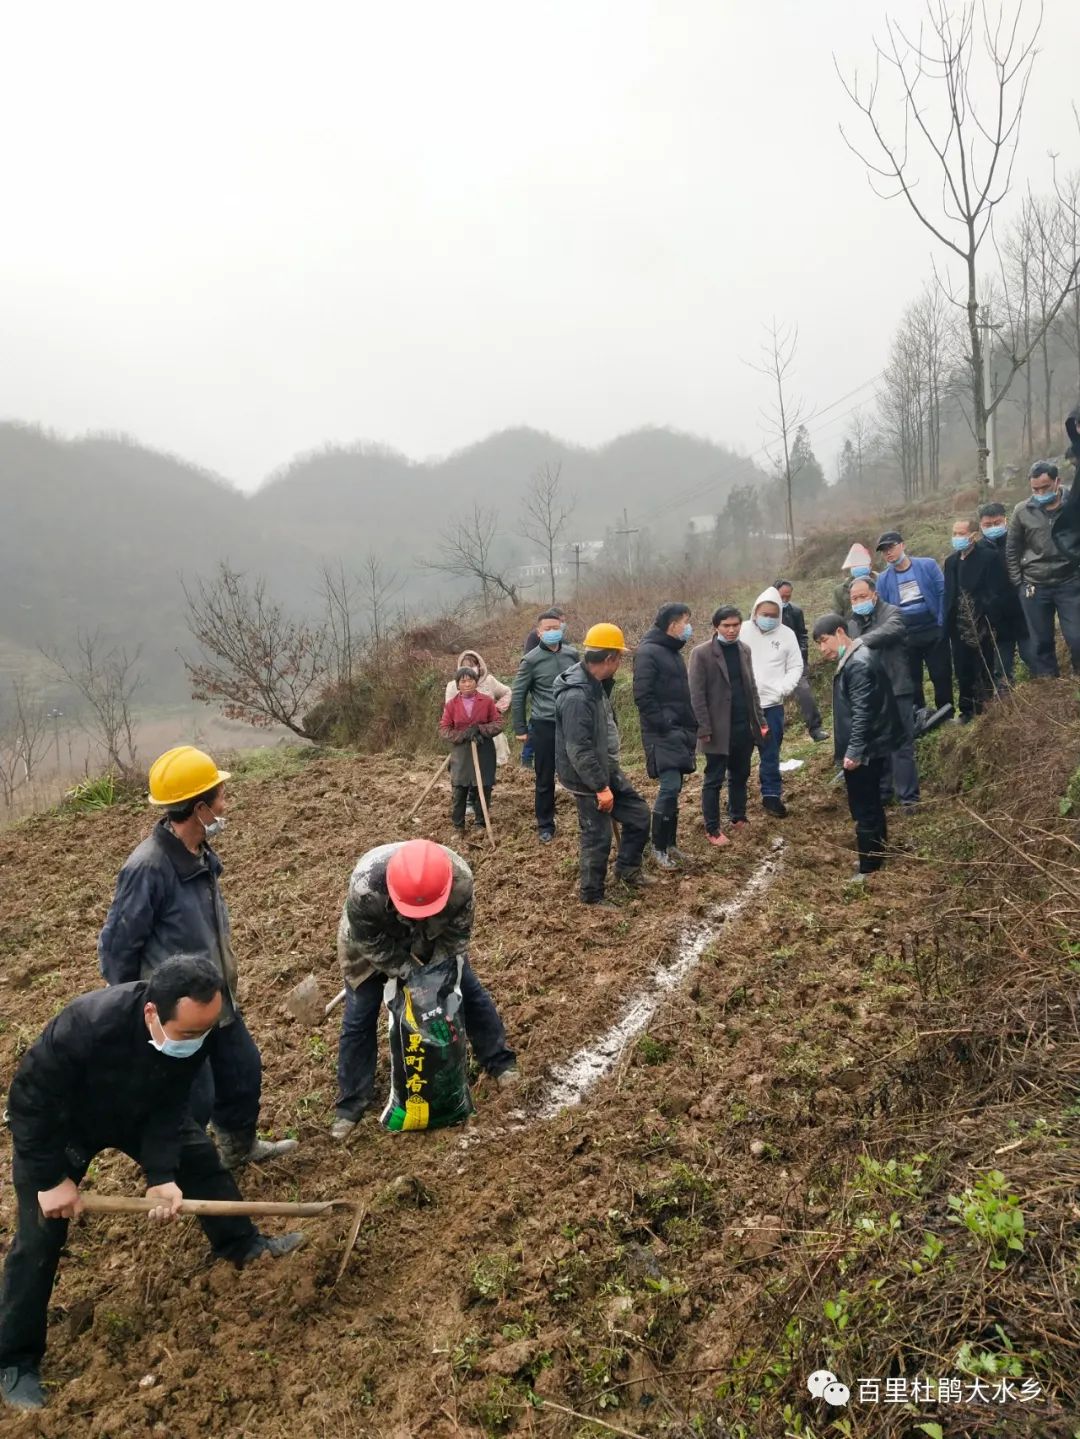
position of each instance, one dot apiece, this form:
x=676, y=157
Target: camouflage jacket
x=373, y=938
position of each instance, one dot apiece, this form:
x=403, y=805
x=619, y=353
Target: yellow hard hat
x=182, y=773
x=605, y=637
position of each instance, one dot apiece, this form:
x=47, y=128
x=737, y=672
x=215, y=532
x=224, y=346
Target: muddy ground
x=620, y=1261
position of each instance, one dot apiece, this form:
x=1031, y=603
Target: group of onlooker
x=1001, y=586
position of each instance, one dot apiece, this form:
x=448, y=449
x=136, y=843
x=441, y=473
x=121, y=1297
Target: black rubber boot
x=276, y=1246
x=21, y=1388
x=240, y=1147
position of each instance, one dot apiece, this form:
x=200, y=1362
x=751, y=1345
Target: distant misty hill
x=98, y=530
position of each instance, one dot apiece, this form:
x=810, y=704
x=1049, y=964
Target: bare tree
x=1047, y=229
x=969, y=144
x=260, y=664
x=379, y=588
x=1068, y=323
x=339, y=599
x=10, y=768
x=912, y=395
x=108, y=679
x=860, y=430
x=31, y=728
x=545, y=514
x=784, y=414
x=466, y=551
x=1013, y=328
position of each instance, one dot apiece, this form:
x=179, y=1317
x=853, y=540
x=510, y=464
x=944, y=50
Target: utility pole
x=577, y=567
x=627, y=531
x=56, y=716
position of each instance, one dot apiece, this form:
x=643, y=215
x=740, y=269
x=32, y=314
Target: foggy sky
x=240, y=230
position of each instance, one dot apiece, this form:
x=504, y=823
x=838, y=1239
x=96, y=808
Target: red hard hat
x=419, y=877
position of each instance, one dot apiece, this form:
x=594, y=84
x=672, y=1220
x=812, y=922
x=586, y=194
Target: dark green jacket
x=535, y=678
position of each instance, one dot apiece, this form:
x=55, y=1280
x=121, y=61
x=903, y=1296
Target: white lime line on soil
x=572, y=1080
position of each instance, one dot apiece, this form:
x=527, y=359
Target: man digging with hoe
x=113, y=1070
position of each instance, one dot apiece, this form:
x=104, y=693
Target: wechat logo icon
x=823, y=1384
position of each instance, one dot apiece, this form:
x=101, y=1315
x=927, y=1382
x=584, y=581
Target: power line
x=734, y=467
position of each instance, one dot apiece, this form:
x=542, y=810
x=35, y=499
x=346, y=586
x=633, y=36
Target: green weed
x=491, y=1277
x=992, y=1216
x=92, y=794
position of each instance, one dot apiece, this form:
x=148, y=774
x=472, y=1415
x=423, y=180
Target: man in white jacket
x=778, y=666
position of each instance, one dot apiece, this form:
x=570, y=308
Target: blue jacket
x=930, y=580
x=167, y=902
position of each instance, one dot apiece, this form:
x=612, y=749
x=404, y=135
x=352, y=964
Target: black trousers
x=736, y=767
x=30, y=1269
x=930, y=647
x=974, y=666
x=468, y=794
x=868, y=812
x=543, y=743
x=358, y=1046
x=228, y=1087
x=632, y=813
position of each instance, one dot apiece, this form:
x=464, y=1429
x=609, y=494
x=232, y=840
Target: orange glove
x=605, y=801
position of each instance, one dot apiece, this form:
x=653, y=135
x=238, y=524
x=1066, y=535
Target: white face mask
x=176, y=1048
x=215, y=827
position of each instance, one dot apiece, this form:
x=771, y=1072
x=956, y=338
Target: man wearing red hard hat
x=408, y=903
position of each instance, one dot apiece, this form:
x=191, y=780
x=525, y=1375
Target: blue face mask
x=864, y=607
x=960, y=542
x=859, y=572
x=1045, y=500
x=766, y=623
x=552, y=638
x=726, y=639
x=995, y=532
x=177, y=1048
x=687, y=631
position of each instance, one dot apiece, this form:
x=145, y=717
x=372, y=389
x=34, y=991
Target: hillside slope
x=761, y=1188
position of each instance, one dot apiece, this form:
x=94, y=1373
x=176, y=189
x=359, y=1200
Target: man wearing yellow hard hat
x=168, y=901
x=587, y=759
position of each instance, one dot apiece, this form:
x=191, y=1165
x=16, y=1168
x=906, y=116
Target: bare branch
x=108, y=678
x=545, y=515
x=465, y=551
x=259, y=664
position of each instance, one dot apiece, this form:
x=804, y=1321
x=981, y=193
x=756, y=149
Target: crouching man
x=587, y=763
x=113, y=1070
x=408, y=903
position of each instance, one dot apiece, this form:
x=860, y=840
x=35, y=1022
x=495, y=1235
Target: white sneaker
x=342, y=1128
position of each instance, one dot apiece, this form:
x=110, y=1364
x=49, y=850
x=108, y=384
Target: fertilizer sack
x=429, y=1087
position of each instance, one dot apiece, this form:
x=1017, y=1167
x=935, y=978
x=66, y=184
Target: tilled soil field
x=520, y=1274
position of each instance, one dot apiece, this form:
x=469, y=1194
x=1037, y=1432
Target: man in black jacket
x=1008, y=622
x=587, y=759
x=168, y=901
x=866, y=731
x=113, y=1070
x=1047, y=578
x=979, y=604
x=668, y=724
x=881, y=628
x=792, y=616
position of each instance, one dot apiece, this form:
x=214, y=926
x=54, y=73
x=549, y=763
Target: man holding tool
x=113, y=1070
